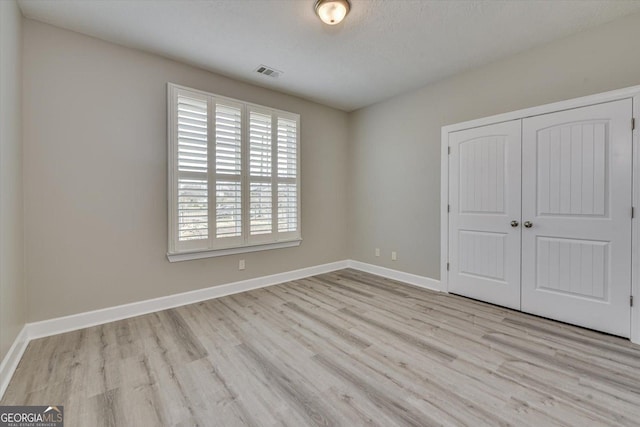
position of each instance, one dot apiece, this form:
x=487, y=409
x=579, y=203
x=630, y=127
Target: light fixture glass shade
x=332, y=12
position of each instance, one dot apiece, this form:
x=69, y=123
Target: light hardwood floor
x=345, y=348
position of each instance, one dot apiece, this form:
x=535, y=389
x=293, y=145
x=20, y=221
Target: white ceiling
x=384, y=47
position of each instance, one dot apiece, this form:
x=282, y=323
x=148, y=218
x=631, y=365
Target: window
x=234, y=176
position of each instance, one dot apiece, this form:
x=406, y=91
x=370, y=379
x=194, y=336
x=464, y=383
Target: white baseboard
x=98, y=317
x=401, y=276
x=12, y=358
x=74, y=322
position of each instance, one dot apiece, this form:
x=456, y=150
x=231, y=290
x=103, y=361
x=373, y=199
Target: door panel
x=576, y=192
x=484, y=250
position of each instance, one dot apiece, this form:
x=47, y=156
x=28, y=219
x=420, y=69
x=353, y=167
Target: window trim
x=186, y=256
x=278, y=239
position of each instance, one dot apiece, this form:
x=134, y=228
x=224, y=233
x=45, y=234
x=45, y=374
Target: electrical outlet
x=241, y=265
x=394, y=256
x=377, y=251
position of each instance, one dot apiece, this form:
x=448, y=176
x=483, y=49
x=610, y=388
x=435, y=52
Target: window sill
x=186, y=256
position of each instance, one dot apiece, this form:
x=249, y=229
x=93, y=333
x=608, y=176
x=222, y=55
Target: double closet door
x=540, y=215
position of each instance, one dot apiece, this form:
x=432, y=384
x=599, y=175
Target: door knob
x=528, y=224
x=514, y=223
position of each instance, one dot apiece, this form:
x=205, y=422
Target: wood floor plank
x=343, y=348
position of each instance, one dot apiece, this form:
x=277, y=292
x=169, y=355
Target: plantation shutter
x=260, y=174
x=287, y=175
x=192, y=169
x=228, y=176
x=234, y=178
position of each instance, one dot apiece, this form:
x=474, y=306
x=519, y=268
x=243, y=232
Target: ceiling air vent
x=268, y=71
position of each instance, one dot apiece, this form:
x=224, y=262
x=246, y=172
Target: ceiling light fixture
x=332, y=12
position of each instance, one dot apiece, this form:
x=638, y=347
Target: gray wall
x=394, y=146
x=95, y=159
x=12, y=293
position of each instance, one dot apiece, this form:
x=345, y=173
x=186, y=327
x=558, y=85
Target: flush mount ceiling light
x=332, y=12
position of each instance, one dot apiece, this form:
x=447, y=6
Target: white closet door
x=484, y=195
x=576, y=194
